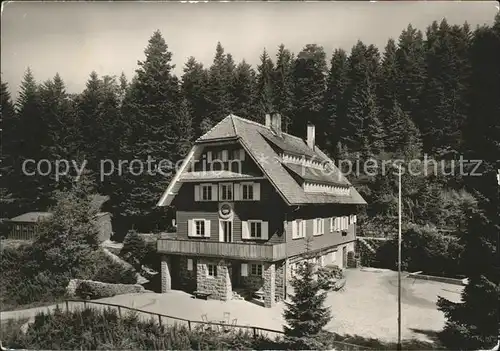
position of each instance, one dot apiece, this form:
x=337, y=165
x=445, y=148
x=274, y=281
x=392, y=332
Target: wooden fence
x=195, y=325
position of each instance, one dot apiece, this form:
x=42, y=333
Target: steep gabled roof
x=260, y=142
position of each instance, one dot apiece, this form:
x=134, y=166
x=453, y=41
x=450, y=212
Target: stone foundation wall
x=280, y=284
x=219, y=286
x=187, y=278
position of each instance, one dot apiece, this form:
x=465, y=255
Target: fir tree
x=219, y=93
x=309, y=81
x=402, y=136
x=410, y=60
x=194, y=89
x=305, y=314
x=362, y=130
x=150, y=115
x=183, y=131
x=9, y=144
x=335, y=99
x=388, y=83
x=265, y=88
x=30, y=147
x=444, y=100
x=244, y=91
x=283, y=86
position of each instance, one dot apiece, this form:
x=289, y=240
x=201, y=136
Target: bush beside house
x=67, y=248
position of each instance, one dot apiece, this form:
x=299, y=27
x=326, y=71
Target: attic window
x=326, y=189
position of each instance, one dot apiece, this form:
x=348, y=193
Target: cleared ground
x=367, y=307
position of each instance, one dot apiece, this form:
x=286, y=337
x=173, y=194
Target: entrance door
x=226, y=231
x=235, y=274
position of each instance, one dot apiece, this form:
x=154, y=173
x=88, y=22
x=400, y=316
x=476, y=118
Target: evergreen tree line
x=432, y=93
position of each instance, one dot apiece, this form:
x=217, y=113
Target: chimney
x=276, y=123
x=311, y=135
x=268, y=120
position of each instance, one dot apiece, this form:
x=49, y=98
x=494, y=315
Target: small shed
x=25, y=226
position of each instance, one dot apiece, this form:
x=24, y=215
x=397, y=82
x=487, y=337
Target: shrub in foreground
x=92, y=329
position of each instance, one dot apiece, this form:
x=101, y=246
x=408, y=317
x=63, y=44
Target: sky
x=75, y=38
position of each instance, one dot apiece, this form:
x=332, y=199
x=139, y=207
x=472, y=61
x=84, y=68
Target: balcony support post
x=269, y=275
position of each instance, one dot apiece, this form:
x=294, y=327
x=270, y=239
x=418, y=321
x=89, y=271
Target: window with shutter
x=226, y=191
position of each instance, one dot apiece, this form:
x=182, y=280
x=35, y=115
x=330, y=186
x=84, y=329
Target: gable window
x=256, y=269
x=212, y=270
x=255, y=229
x=247, y=191
x=206, y=192
x=226, y=191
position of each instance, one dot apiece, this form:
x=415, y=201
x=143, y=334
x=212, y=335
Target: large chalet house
x=250, y=201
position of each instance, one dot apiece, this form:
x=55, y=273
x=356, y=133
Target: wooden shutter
x=244, y=269
x=245, y=232
x=209, y=156
x=331, y=224
x=304, y=228
x=237, y=191
x=294, y=229
x=221, y=232
x=256, y=191
x=354, y=219
x=224, y=155
x=214, y=192
x=315, y=226
x=196, y=193
x=191, y=228
x=190, y=264
x=265, y=230
x=242, y=155
x=207, y=228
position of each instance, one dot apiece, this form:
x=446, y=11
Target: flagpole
x=399, y=263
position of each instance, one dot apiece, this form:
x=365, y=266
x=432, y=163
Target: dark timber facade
x=248, y=198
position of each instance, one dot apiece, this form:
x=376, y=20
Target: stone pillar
x=166, y=279
x=269, y=284
x=224, y=281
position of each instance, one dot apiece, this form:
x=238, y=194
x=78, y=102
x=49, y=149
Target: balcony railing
x=244, y=251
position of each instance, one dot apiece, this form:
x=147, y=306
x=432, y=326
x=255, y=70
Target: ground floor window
x=256, y=269
x=212, y=270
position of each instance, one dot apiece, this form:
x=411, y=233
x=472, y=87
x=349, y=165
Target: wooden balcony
x=243, y=251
